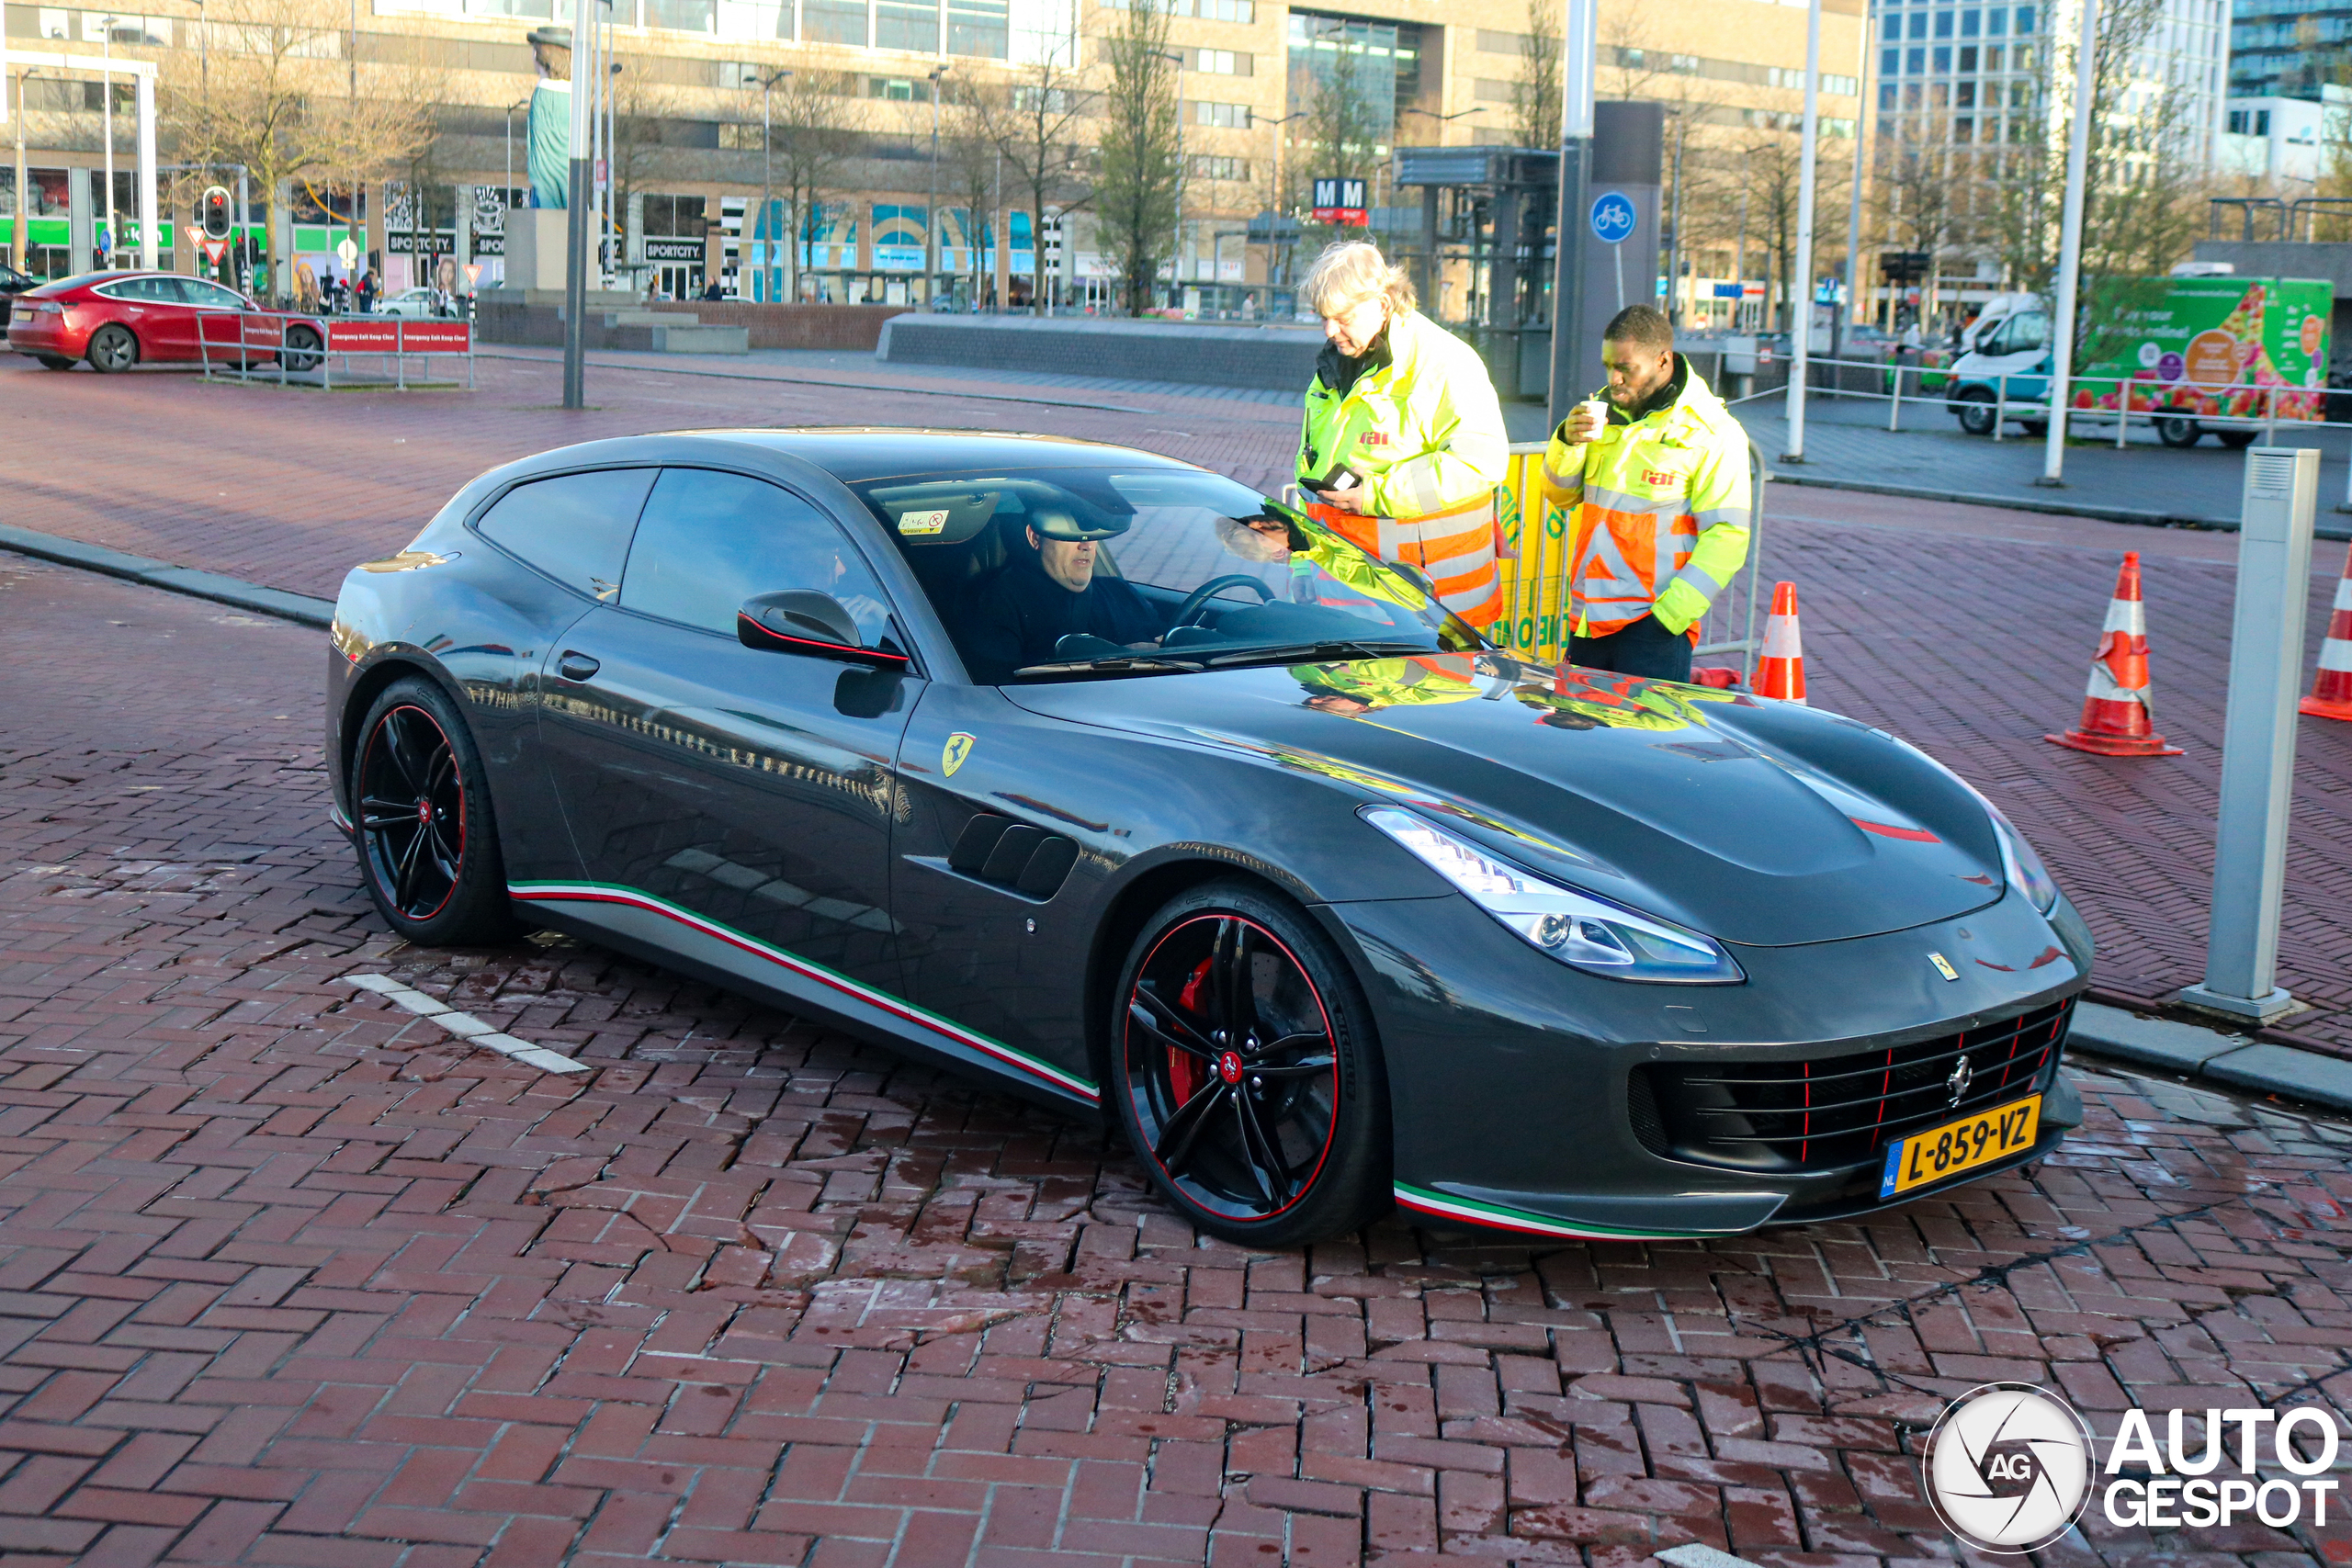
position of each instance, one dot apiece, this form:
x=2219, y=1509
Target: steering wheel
x=1197, y=600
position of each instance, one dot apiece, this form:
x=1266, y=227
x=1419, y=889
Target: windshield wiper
x=1315, y=652
x=1120, y=664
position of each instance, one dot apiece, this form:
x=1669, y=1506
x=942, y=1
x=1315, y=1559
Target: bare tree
x=1535, y=92
x=971, y=171
x=1343, y=124
x=1136, y=188
x=1033, y=123
x=277, y=99
x=815, y=125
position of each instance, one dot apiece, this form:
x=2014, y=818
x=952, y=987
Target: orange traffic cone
x=1782, y=674
x=2118, y=716
x=2332, y=690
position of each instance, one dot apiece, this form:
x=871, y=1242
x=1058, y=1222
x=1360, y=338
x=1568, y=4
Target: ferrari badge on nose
x=1944, y=965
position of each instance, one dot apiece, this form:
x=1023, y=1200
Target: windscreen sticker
x=923, y=522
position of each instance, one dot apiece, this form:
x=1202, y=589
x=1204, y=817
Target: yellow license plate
x=1959, y=1146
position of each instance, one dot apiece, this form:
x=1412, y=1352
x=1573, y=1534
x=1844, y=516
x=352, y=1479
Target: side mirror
x=801, y=621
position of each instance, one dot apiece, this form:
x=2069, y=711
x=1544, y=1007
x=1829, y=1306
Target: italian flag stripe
x=611, y=893
x=1469, y=1211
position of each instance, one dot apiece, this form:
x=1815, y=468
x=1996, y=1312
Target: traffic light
x=214, y=213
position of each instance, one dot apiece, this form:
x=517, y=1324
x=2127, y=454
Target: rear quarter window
x=574, y=527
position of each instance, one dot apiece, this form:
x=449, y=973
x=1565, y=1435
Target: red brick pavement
x=286, y=1277
x=1965, y=629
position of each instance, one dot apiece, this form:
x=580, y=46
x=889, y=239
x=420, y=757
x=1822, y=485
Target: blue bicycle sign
x=1612, y=218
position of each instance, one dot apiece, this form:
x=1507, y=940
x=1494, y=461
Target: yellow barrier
x=1534, y=623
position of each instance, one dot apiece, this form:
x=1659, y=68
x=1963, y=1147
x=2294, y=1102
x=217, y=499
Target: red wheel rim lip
x=1322, y=1011
x=426, y=816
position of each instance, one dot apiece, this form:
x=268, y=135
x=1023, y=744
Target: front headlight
x=2021, y=864
x=1576, y=927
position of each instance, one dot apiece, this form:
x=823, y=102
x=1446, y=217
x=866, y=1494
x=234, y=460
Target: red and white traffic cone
x=2332, y=689
x=2118, y=714
x=1781, y=673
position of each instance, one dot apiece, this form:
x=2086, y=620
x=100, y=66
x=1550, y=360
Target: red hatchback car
x=116, y=320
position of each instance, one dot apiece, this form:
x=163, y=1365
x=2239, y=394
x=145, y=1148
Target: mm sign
x=1341, y=201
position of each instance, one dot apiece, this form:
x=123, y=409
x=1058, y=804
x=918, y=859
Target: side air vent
x=1032, y=862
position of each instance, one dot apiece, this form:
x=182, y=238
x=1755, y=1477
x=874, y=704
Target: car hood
x=1758, y=822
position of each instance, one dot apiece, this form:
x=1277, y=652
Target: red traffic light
x=213, y=210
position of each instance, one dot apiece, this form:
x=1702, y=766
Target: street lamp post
x=931, y=213
x=1274, y=221
x=1176, y=263
x=105, y=98
x=24, y=211
x=766, y=220
x=1808, y=160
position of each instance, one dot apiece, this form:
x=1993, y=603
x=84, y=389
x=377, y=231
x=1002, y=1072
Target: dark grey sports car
x=1132, y=789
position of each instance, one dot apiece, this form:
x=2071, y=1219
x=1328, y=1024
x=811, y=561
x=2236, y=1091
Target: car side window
x=709, y=541
x=574, y=527
x=211, y=296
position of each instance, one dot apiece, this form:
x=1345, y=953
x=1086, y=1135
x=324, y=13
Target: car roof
x=856, y=455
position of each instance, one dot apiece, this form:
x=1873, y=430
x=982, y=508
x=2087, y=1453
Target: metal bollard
x=1895, y=409
x=2000, y=405
x=2122, y=412
x=2258, y=736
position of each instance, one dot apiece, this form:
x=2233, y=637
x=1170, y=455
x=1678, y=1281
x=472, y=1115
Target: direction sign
x=1613, y=217
x=348, y=251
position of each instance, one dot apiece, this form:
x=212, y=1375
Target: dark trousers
x=1644, y=648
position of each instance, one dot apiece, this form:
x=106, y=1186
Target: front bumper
x=1510, y=1076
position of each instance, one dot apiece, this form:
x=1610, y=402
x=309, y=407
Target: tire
x=1260, y=1161
x=2178, y=430
x=1973, y=408
x=2236, y=440
x=301, y=351
x=113, y=349
x=54, y=362
x=2037, y=428
x=413, y=771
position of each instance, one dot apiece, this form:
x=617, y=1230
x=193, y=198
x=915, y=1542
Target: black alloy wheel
x=301, y=351
x=428, y=849
x=113, y=349
x=1247, y=1076
x=54, y=362
x=2178, y=430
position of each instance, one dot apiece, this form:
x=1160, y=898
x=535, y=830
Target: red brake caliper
x=1185, y=1074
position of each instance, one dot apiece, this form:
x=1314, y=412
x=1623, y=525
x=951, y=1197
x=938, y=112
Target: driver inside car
x=1050, y=592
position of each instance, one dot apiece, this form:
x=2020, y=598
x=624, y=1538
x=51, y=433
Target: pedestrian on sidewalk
x=1403, y=443
x=1654, y=473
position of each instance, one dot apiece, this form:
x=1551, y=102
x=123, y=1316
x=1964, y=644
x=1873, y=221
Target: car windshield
x=1071, y=573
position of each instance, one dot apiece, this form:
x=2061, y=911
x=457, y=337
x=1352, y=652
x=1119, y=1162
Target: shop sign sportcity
x=2009, y=1467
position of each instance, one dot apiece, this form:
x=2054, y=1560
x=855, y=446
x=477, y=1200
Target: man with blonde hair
x=1403, y=442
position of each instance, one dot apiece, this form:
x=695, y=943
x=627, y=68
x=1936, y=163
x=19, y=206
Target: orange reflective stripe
x=1454, y=548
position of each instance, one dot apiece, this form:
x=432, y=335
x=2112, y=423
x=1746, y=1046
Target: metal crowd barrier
x=298, y=343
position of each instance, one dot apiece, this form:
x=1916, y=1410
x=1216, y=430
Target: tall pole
x=1674, y=235
x=2070, y=248
x=575, y=218
x=1845, y=317
x=23, y=194
x=105, y=98
x=1801, y=339
x=764, y=223
x=149, y=225
x=1578, y=46
x=931, y=213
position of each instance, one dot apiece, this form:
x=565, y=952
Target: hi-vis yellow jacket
x=1660, y=511
x=1421, y=424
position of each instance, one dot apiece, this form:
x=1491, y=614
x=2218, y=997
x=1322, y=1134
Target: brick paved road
x=286, y=1277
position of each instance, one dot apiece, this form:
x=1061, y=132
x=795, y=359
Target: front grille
x=1839, y=1111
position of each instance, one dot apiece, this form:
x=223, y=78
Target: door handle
x=576, y=665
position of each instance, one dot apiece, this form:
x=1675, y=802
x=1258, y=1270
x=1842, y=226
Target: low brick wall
x=852, y=327
x=1202, y=355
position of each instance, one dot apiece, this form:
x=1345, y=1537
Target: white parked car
x=416, y=302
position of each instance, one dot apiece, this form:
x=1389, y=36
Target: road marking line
x=465, y=1025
